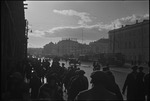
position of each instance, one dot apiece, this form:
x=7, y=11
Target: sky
x=50, y=21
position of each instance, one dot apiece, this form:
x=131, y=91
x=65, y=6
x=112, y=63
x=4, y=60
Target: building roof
x=130, y=26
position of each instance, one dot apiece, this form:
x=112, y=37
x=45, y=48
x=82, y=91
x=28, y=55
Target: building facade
x=100, y=46
x=132, y=41
x=13, y=38
x=67, y=47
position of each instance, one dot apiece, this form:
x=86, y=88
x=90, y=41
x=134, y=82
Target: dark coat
x=50, y=93
x=35, y=84
x=96, y=93
x=131, y=85
x=78, y=84
x=140, y=86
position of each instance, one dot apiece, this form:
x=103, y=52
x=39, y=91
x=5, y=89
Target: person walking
x=35, y=84
x=100, y=82
x=114, y=88
x=140, y=85
x=78, y=83
x=50, y=90
x=131, y=85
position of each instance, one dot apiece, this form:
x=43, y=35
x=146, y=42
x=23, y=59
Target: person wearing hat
x=131, y=84
x=63, y=64
x=78, y=83
x=50, y=90
x=107, y=71
x=115, y=88
x=140, y=84
x=64, y=69
x=100, y=82
x=35, y=84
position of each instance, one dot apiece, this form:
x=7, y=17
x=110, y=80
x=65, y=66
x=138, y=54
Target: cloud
x=84, y=17
x=90, y=32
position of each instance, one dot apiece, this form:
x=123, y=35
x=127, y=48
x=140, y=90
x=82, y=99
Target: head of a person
x=140, y=69
x=99, y=78
x=80, y=72
x=63, y=64
x=134, y=68
x=106, y=68
x=75, y=66
x=51, y=79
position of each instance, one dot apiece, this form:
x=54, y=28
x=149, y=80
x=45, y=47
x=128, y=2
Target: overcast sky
x=54, y=20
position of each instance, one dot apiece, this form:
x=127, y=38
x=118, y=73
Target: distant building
x=35, y=51
x=49, y=49
x=132, y=41
x=100, y=46
x=67, y=46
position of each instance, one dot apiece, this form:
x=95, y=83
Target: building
x=13, y=39
x=34, y=51
x=49, y=49
x=100, y=46
x=132, y=41
x=67, y=47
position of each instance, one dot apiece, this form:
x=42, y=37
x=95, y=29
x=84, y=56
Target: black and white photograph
x=75, y=50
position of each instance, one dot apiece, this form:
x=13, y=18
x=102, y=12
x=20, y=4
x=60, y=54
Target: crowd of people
x=31, y=85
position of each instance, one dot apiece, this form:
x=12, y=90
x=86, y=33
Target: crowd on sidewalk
x=29, y=85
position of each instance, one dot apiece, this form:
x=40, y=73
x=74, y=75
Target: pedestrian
x=50, y=90
x=107, y=71
x=114, y=88
x=131, y=84
x=140, y=85
x=96, y=66
x=78, y=83
x=35, y=84
x=99, y=91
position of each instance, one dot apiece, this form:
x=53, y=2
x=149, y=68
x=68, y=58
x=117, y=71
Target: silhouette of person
x=99, y=91
x=35, y=84
x=50, y=90
x=79, y=83
x=114, y=88
x=107, y=71
x=140, y=85
x=131, y=84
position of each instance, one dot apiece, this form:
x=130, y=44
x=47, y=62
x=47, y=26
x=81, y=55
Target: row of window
x=128, y=45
